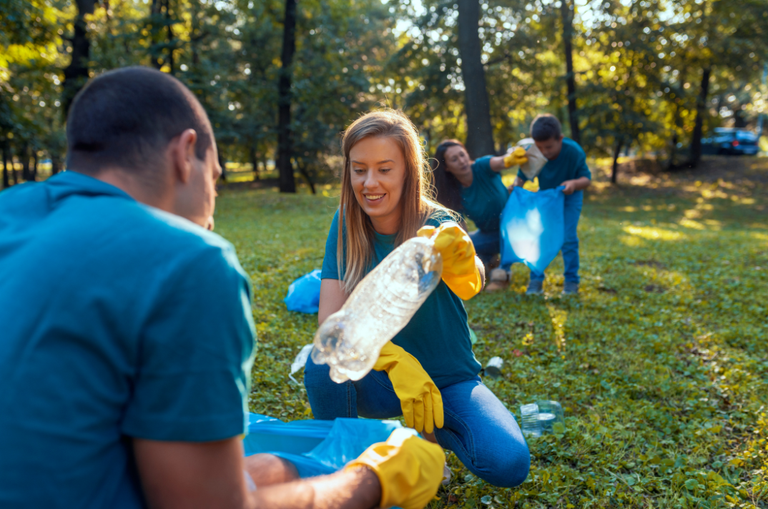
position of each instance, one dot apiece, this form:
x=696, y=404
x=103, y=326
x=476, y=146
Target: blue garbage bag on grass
x=315, y=447
x=532, y=228
x=304, y=293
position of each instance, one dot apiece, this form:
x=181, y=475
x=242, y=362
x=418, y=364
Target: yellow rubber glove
x=409, y=469
x=460, y=272
x=515, y=158
x=419, y=397
x=532, y=185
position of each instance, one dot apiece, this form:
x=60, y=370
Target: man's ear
x=183, y=153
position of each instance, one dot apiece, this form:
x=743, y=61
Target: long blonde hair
x=416, y=200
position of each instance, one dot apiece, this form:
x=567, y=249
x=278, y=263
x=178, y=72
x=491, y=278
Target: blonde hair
x=416, y=200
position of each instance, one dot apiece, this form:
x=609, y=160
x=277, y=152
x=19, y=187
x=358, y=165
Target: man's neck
x=134, y=187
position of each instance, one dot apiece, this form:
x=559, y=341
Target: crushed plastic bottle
x=350, y=340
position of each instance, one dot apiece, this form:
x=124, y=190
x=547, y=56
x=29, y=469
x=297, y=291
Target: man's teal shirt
x=117, y=320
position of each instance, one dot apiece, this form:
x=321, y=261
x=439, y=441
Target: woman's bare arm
x=332, y=298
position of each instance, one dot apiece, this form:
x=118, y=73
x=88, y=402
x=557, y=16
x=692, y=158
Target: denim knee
x=327, y=399
x=507, y=470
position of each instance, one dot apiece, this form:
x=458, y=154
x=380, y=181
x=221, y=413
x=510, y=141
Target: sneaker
x=498, y=280
x=570, y=288
x=535, y=287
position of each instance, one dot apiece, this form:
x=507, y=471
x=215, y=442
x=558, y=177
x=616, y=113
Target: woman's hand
x=460, y=272
x=420, y=398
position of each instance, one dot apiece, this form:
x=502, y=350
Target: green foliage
x=660, y=363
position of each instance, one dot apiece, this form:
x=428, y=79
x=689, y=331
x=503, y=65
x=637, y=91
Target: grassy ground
x=661, y=364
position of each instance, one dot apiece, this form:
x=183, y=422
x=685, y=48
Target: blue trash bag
x=315, y=447
x=532, y=228
x=304, y=293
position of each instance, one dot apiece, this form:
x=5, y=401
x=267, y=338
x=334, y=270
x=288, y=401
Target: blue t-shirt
x=484, y=200
x=570, y=164
x=438, y=333
x=118, y=320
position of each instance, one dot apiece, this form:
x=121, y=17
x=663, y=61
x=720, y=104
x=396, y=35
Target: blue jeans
x=570, y=249
x=478, y=428
x=487, y=244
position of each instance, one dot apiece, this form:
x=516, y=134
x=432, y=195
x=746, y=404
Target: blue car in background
x=732, y=141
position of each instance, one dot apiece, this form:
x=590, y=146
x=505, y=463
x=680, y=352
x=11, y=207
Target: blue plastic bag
x=532, y=228
x=315, y=447
x=304, y=293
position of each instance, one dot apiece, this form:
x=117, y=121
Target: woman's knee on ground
x=505, y=466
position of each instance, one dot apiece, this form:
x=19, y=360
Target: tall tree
x=479, y=133
x=76, y=73
x=284, y=165
x=567, y=14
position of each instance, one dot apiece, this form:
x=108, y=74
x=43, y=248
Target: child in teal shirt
x=566, y=166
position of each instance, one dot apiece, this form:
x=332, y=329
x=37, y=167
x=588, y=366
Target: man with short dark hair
x=127, y=334
x=566, y=166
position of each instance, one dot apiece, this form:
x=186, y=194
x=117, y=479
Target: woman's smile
x=377, y=177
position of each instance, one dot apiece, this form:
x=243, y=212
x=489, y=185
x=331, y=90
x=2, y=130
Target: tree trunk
x=479, y=132
x=6, y=179
x=673, y=154
x=616, y=152
x=254, y=162
x=701, y=112
x=739, y=121
x=155, y=11
x=14, y=173
x=54, y=164
x=26, y=175
x=570, y=77
x=171, y=36
x=222, y=164
x=76, y=73
x=305, y=174
x=35, y=162
x=284, y=166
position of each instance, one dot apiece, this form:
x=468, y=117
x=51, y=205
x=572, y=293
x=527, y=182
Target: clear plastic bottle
x=350, y=340
x=542, y=417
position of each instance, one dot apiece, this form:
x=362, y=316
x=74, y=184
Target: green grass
x=661, y=364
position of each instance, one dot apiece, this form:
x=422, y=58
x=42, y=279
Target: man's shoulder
x=178, y=237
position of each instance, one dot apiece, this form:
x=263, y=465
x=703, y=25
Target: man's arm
x=188, y=475
x=571, y=186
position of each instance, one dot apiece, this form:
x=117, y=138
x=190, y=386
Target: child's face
x=378, y=175
x=550, y=148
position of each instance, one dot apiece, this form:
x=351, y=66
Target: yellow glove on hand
x=515, y=158
x=419, y=397
x=459, y=270
x=409, y=469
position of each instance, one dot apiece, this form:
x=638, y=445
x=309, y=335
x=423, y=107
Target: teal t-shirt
x=484, y=200
x=118, y=320
x=438, y=333
x=570, y=164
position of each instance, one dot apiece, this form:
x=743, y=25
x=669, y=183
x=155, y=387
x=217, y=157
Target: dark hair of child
x=545, y=127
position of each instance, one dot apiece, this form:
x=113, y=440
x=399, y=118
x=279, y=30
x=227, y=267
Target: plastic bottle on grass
x=542, y=417
x=350, y=340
